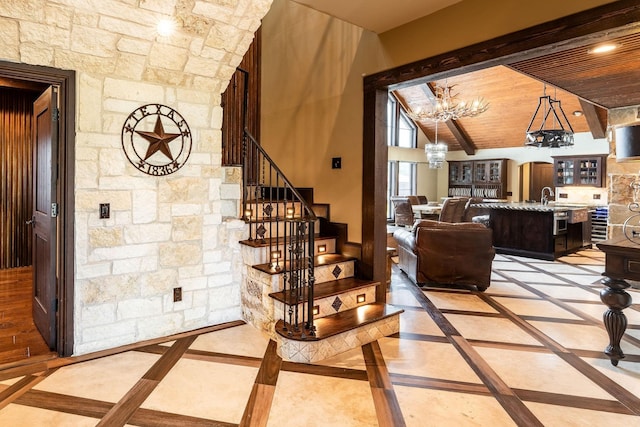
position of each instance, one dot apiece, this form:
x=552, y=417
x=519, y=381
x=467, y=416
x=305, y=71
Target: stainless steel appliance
x=560, y=221
x=599, y=219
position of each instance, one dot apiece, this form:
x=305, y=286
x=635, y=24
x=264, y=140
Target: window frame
x=397, y=116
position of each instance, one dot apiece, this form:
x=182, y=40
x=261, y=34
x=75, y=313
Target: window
x=402, y=132
x=406, y=178
x=401, y=181
x=406, y=131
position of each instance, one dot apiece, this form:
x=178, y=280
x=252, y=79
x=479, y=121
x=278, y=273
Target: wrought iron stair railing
x=283, y=221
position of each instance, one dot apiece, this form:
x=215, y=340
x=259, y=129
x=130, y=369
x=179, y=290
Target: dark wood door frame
x=601, y=23
x=65, y=80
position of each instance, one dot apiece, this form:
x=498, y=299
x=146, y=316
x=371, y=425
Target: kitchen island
x=535, y=230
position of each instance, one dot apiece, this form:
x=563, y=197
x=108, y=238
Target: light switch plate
x=105, y=210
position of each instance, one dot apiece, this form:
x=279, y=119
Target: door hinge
x=55, y=114
x=55, y=305
x=54, y=210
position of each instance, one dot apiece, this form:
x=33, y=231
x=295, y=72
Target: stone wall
x=621, y=174
x=177, y=230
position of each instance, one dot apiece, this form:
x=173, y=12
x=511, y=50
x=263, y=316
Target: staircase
x=296, y=287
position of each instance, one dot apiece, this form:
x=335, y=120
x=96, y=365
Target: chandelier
x=436, y=152
x=551, y=133
x=448, y=107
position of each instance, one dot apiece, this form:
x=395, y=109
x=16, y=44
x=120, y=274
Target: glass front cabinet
x=478, y=178
x=583, y=170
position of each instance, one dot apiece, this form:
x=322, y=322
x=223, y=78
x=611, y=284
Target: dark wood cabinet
x=527, y=233
x=460, y=173
x=530, y=233
x=586, y=170
x=486, y=179
x=460, y=179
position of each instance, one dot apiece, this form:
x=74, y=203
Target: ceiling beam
x=596, y=118
x=459, y=134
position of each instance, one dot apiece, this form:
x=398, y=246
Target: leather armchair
x=446, y=253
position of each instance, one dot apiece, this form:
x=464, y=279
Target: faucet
x=543, y=198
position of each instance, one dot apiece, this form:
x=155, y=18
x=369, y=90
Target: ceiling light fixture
x=551, y=133
x=603, y=48
x=166, y=27
x=436, y=152
x=447, y=107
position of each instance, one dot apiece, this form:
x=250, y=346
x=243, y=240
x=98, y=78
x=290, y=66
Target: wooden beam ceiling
x=596, y=118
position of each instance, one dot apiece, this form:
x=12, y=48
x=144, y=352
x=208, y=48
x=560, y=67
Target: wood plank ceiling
x=582, y=81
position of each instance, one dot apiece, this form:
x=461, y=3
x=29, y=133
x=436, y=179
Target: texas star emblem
x=156, y=139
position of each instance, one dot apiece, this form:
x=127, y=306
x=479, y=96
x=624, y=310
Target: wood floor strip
x=64, y=403
x=524, y=325
x=384, y=396
x=122, y=411
x=565, y=306
x=256, y=413
x=422, y=337
x=509, y=346
x=470, y=313
x=98, y=409
x=623, y=395
x=516, y=409
x=560, y=320
x=439, y=384
x=20, y=371
x=209, y=356
x=13, y=392
x=634, y=358
x=325, y=371
x=159, y=369
x=270, y=368
x=149, y=418
x=579, y=402
x=255, y=362
x=27, y=367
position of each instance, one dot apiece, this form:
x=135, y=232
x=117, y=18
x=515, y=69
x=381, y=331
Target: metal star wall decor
x=160, y=151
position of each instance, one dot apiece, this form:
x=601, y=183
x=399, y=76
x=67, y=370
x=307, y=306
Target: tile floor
x=528, y=351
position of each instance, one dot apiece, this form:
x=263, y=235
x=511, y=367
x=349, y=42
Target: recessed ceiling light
x=578, y=113
x=166, y=27
x=603, y=48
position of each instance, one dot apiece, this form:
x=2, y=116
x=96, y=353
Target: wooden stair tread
x=274, y=200
x=275, y=241
x=343, y=321
x=326, y=289
x=281, y=219
x=319, y=261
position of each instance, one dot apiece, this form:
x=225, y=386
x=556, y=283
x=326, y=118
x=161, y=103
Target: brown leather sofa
x=446, y=253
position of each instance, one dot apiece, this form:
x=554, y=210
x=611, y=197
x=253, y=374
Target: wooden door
x=45, y=211
x=541, y=176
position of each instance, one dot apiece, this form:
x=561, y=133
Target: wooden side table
x=622, y=261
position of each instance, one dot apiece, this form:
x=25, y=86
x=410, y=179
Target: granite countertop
x=538, y=207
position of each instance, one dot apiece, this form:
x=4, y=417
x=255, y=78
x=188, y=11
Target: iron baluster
x=294, y=219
